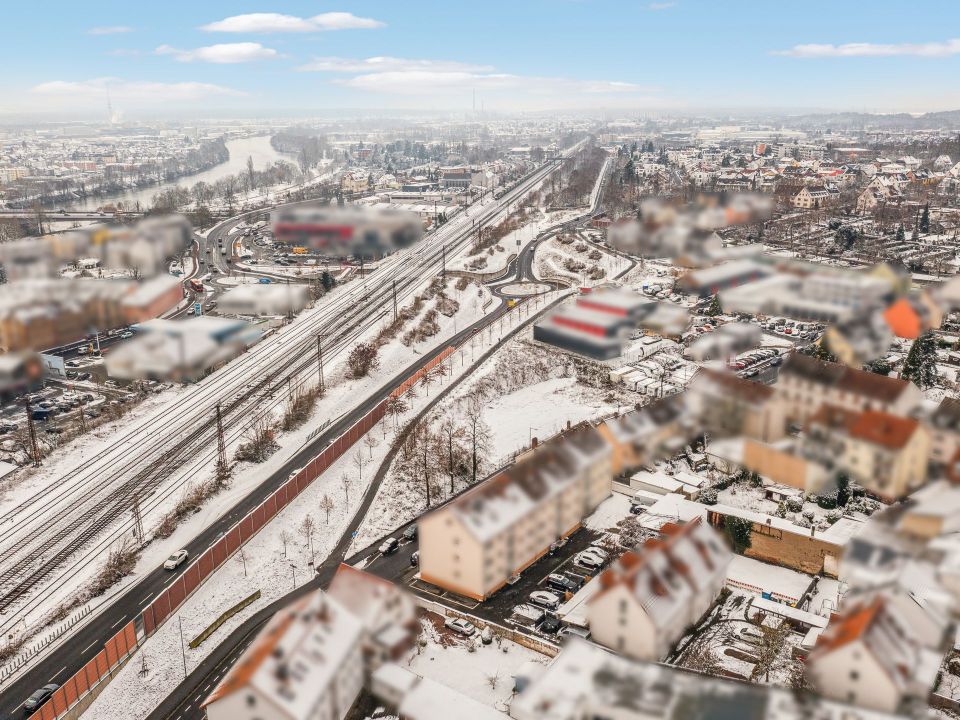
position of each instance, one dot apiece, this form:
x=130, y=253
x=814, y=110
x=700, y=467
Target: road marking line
x=88, y=647
x=61, y=670
x=118, y=622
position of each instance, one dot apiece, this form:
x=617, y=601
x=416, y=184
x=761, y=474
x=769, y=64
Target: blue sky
x=205, y=56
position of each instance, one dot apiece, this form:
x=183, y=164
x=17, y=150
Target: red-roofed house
x=650, y=597
x=886, y=454
x=868, y=656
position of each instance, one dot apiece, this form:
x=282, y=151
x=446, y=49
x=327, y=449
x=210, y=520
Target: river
x=258, y=148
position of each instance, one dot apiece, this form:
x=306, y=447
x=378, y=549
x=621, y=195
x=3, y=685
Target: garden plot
x=481, y=672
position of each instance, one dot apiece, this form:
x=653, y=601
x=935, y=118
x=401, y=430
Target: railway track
x=80, y=514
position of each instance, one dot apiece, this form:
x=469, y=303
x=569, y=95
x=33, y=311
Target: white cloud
x=661, y=5
x=221, y=54
x=931, y=49
x=278, y=23
x=109, y=30
x=429, y=82
x=132, y=90
x=387, y=64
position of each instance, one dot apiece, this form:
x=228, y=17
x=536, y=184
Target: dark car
x=39, y=697
x=410, y=533
x=550, y=624
x=561, y=582
x=389, y=546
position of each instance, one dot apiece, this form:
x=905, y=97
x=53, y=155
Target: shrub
x=794, y=504
x=738, y=532
x=827, y=501
x=708, y=496
x=833, y=516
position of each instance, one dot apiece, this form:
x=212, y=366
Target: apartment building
x=886, y=454
x=650, y=597
x=307, y=664
x=728, y=405
x=805, y=384
x=388, y=614
x=474, y=544
x=869, y=656
x=647, y=434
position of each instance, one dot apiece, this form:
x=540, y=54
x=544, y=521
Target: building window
x=854, y=675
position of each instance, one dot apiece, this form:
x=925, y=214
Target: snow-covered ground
x=342, y=394
x=520, y=400
x=552, y=255
x=511, y=244
x=270, y=563
x=484, y=674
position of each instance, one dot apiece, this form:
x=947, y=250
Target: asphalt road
x=184, y=701
x=67, y=659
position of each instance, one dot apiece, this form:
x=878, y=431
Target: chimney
x=568, y=424
x=533, y=444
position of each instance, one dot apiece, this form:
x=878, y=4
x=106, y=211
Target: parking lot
x=498, y=608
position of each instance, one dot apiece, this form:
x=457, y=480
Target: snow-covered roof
x=297, y=656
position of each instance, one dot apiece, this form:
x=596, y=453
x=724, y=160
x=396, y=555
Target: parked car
x=599, y=552
x=588, y=553
x=126, y=335
x=38, y=698
x=461, y=626
x=486, y=635
x=410, y=533
x=389, y=546
x=545, y=599
x=83, y=376
x=590, y=562
x=561, y=582
x=550, y=625
x=54, y=430
x=176, y=560
x=574, y=631
x=415, y=558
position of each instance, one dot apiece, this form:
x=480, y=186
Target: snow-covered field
x=552, y=256
x=520, y=399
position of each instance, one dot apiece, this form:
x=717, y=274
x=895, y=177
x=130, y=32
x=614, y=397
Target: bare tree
x=345, y=479
x=771, y=651
x=358, y=463
x=478, y=433
x=371, y=442
x=395, y=407
x=451, y=433
x=326, y=504
x=284, y=539
x=243, y=560
x=307, y=528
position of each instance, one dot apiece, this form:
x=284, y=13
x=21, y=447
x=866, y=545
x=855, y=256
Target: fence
x=24, y=656
x=125, y=642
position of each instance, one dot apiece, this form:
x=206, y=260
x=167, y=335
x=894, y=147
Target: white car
x=588, y=561
x=459, y=625
x=545, y=599
x=598, y=551
x=176, y=560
